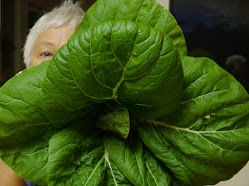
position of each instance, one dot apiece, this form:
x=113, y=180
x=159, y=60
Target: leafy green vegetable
x=206, y=140
x=122, y=104
x=140, y=11
x=117, y=121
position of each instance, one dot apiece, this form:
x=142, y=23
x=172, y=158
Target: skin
x=49, y=42
x=45, y=46
x=8, y=177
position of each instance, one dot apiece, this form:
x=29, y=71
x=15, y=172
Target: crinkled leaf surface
x=118, y=61
x=140, y=11
x=135, y=162
x=206, y=140
x=183, y=120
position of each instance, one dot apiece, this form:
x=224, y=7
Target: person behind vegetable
x=47, y=35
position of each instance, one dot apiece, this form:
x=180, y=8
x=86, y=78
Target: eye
x=46, y=54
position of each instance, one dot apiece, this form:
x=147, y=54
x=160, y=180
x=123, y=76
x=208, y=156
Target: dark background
x=218, y=29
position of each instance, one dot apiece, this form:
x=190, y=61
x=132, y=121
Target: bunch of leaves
x=121, y=103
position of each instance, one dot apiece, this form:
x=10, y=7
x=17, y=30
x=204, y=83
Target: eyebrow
x=47, y=44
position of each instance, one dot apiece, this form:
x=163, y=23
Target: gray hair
x=68, y=13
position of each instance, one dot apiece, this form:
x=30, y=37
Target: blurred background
x=216, y=29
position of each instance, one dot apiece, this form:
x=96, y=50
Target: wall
x=240, y=179
x=165, y=3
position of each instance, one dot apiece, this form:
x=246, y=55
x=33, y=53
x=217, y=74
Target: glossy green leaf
x=30, y=159
x=76, y=157
x=140, y=11
x=206, y=140
x=135, y=162
x=134, y=72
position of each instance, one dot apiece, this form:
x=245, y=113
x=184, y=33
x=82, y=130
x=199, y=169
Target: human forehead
x=55, y=35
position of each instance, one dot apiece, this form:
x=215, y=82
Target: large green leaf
x=70, y=85
x=141, y=11
x=76, y=157
x=30, y=159
x=80, y=157
x=135, y=162
x=133, y=55
x=20, y=109
x=61, y=95
x=207, y=139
